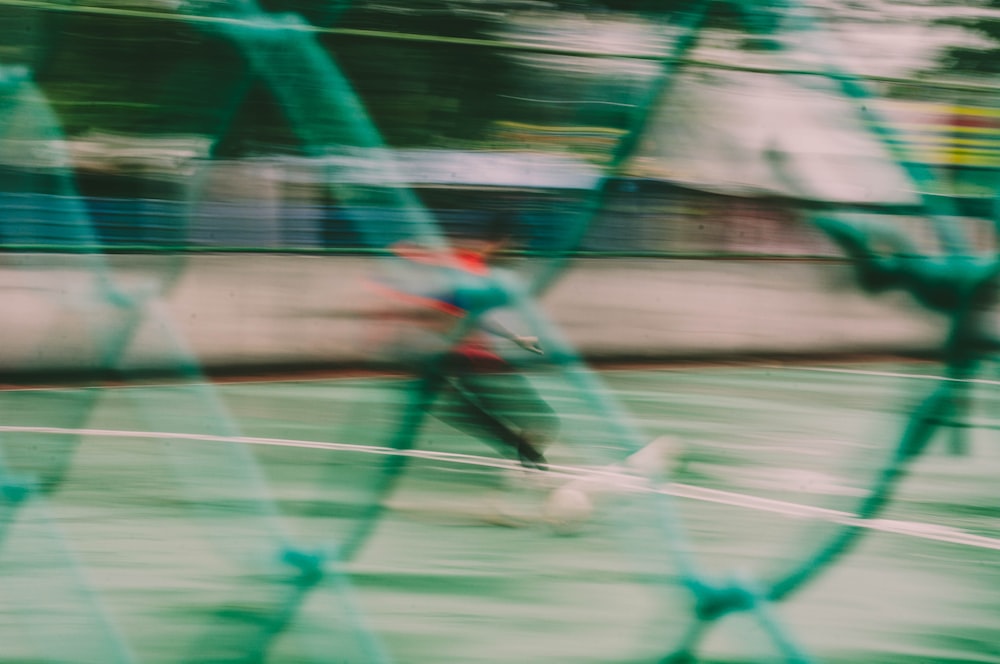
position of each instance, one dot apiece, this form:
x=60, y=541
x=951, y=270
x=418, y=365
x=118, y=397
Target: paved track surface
x=161, y=542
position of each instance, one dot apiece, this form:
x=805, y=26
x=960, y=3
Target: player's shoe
x=531, y=457
x=571, y=505
x=655, y=459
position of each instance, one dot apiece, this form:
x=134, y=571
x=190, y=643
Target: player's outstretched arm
x=528, y=343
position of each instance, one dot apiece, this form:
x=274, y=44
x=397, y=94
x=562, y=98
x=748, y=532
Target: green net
x=183, y=520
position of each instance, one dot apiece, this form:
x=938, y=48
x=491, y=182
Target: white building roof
x=751, y=134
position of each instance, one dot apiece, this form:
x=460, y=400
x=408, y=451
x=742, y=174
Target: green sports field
x=163, y=511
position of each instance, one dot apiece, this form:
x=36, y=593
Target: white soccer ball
x=567, y=509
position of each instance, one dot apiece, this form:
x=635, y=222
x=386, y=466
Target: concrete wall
x=243, y=311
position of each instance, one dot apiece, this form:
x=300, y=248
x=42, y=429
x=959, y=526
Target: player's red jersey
x=425, y=309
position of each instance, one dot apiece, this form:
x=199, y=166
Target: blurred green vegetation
x=145, y=69
x=982, y=58
x=151, y=72
x=146, y=74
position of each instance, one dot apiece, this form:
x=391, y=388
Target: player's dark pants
x=492, y=403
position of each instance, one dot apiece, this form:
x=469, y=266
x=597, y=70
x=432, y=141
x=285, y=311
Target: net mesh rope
x=220, y=474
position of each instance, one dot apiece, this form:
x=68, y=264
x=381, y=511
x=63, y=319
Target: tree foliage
x=982, y=26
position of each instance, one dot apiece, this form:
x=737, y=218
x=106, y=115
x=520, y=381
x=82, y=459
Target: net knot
x=714, y=601
x=14, y=491
x=308, y=564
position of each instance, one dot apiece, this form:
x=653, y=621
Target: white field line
x=621, y=481
x=888, y=374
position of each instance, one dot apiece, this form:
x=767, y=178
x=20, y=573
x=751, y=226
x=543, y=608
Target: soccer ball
x=567, y=509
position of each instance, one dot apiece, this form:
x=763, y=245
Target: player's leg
x=464, y=404
x=461, y=407
x=511, y=398
x=570, y=505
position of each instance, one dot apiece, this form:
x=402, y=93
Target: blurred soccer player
x=443, y=324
